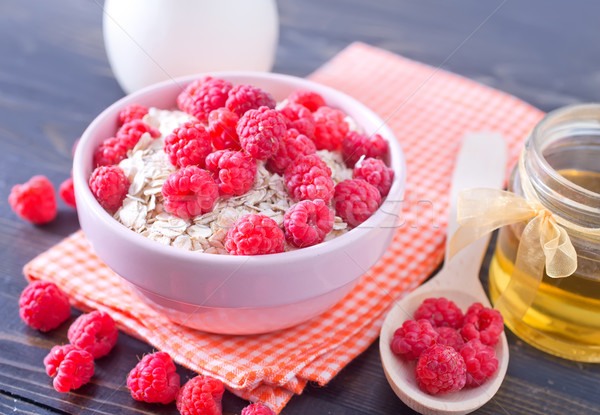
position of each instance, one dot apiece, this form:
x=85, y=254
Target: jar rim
x=552, y=187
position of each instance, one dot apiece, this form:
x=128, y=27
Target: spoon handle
x=481, y=162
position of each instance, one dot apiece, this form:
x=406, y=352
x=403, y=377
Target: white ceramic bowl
x=237, y=294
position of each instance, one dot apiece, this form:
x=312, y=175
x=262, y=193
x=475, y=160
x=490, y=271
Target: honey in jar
x=560, y=165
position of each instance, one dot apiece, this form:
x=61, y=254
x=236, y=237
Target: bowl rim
x=85, y=197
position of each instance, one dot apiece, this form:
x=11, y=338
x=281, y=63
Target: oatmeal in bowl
x=239, y=203
x=249, y=186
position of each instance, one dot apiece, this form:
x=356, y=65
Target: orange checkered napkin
x=429, y=110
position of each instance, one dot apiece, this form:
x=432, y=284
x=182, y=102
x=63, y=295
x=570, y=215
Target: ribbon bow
x=543, y=243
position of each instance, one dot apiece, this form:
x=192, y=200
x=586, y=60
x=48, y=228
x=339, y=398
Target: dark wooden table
x=55, y=78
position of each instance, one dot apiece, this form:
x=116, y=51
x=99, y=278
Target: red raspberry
x=34, y=200
x=43, y=305
x=291, y=147
x=247, y=97
x=154, y=379
x=132, y=112
x=299, y=117
x=234, y=171
x=355, y=201
x=221, y=127
x=131, y=132
x=308, y=222
x=110, y=186
x=70, y=367
x=257, y=409
x=204, y=95
x=309, y=178
x=440, y=370
x=189, y=192
x=413, y=338
x=450, y=337
x=482, y=323
x=375, y=171
x=94, y=332
x=254, y=235
x=188, y=145
x=185, y=100
x=110, y=151
x=481, y=361
x=67, y=192
x=309, y=99
x=201, y=395
x=330, y=128
x=441, y=312
x=355, y=145
x=260, y=132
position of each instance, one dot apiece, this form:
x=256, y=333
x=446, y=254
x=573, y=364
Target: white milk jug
x=148, y=41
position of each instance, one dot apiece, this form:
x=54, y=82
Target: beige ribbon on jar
x=543, y=243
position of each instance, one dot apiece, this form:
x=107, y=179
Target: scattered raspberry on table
x=70, y=367
x=201, y=395
x=34, y=200
x=44, y=306
x=67, y=192
x=94, y=332
x=154, y=379
x=257, y=409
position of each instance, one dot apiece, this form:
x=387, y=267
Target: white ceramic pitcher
x=148, y=41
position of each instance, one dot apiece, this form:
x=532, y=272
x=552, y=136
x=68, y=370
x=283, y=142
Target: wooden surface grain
x=55, y=78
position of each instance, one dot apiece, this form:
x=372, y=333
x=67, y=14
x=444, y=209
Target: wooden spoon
x=481, y=162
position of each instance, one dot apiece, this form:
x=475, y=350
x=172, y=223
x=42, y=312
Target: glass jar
x=561, y=160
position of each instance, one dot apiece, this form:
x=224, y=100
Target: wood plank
x=12, y=404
